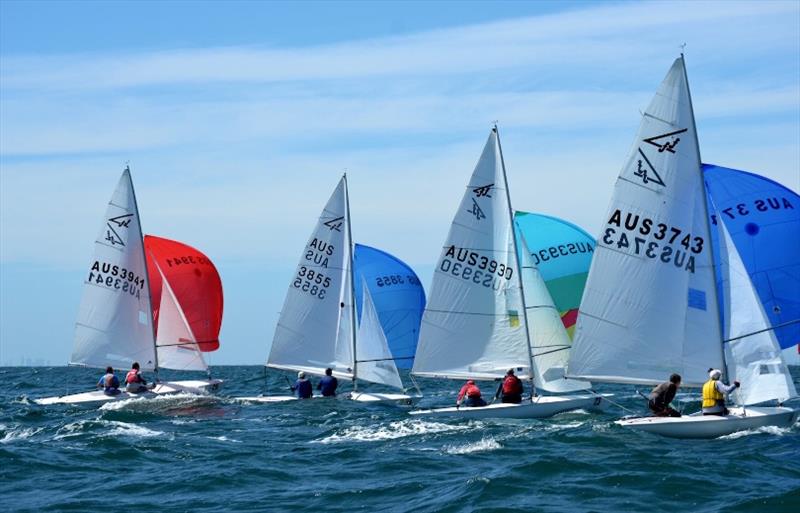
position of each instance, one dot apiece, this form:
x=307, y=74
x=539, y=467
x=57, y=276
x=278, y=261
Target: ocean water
x=210, y=454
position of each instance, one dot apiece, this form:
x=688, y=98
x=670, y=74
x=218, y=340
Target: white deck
x=366, y=397
x=167, y=387
x=541, y=407
x=713, y=426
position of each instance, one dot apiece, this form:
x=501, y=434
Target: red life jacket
x=473, y=391
x=132, y=376
x=512, y=385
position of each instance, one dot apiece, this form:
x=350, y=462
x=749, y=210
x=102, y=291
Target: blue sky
x=238, y=118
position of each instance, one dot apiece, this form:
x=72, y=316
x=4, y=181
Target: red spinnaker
x=195, y=283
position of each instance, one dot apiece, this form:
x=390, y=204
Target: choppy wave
x=159, y=403
x=16, y=434
x=764, y=430
x=483, y=445
x=391, y=431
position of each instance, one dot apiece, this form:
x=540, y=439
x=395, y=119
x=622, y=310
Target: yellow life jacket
x=710, y=394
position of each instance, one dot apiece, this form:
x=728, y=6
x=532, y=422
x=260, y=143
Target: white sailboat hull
x=365, y=397
x=713, y=426
x=541, y=407
x=164, y=388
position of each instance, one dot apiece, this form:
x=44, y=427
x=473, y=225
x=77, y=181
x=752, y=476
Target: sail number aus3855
x=312, y=282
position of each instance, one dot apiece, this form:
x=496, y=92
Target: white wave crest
x=485, y=444
x=392, y=431
x=109, y=429
x=223, y=438
x=158, y=403
x=15, y=434
x=564, y=426
x=769, y=430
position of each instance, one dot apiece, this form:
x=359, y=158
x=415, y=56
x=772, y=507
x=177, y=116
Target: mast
x=516, y=258
x=352, y=286
x=705, y=214
x=149, y=292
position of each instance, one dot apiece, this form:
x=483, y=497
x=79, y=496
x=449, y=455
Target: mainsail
x=550, y=343
x=114, y=319
x=315, y=328
x=650, y=308
x=195, y=284
x=474, y=322
x=398, y=297
x=763, y=219
x=752, y=352
x=375, y=361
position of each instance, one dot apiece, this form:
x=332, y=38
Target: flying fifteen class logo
x=335, y=224
x=665, y=143
x=483, y=190
x=112, y=236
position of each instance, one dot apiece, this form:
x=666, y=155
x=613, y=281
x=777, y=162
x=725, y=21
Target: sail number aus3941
x=671, y=244
x=115, y=277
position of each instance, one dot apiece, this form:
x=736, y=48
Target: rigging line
x=386, y=359
x=614, y=403
x=188, y=343
x=466, y=313
x=795, y=321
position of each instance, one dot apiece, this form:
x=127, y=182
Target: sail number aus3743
x=631, y=233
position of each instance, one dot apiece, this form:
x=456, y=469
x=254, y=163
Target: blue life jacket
x=109, y=390
x=328, y=385
x=303, y=388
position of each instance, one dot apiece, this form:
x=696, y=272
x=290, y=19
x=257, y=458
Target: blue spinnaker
x=563, y=253
x=763, y=218
x=398, y=296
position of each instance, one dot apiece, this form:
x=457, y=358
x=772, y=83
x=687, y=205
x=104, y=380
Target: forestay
x=649, y=308
x=473, y=325
x=375, y=361
x=314, y=330
x=114, y=319
x=549, y=340
x=175, y=342
x=751, y=351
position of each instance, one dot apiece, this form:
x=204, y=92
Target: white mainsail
x=375, y=361
x=473, y=325
x=114, y=325
x=550, y=342
x=752, y=353
x=175, y=342
x=314, y=330
x=649, y=308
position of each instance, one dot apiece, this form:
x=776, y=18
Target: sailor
x=109, y=382
x=660, y=397
x=510, y=389
x=328, y=384
x=714, y=392
x=302, y=386
x=134, y=382
x=473, y=393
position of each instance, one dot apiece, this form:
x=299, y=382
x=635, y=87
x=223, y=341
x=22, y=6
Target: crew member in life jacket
x=510, y=390
x=109, y=382
x=660, y=397
x=302, y=386
x=134, y=382
x=327, y=385
x=714, y=392
x=473, y=393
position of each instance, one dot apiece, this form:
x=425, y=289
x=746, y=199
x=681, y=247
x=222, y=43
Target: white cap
x=301, y=374
x=715, y=374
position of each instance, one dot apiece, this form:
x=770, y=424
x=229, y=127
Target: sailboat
x=488, y=312
x=115, y=319
x=650, y=304
x=317, y=329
